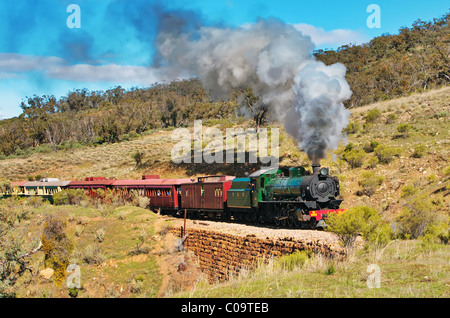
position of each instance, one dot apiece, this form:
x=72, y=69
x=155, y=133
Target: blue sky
x=40, y=55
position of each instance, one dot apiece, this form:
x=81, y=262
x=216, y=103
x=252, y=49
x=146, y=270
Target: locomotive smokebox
x=316, y=168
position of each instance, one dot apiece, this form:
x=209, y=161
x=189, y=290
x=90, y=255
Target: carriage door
x=178, y=194
x=202, y=197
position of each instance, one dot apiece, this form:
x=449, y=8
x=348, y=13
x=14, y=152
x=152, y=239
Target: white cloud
x=333, y=38
x=105, y=73
x=17, y=63
x=14, y=65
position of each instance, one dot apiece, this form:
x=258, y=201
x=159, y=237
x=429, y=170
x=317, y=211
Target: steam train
x=291, y=197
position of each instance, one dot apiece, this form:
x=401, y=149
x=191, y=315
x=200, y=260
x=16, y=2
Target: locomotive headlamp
x=324, y=171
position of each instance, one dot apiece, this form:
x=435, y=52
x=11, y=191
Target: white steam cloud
x=275, y=60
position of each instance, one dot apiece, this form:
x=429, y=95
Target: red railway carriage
x=208, y=194
x=163, y=193
x=91, y=184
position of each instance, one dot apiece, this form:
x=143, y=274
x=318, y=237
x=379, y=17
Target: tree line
x=388, y=66
x=96, y=117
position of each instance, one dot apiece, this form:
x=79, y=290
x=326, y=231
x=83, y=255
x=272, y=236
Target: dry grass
x=405, y=271
x=108, y=269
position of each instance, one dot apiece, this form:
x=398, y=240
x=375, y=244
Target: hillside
x=394, y=65
x=106, y=237
x=425, y=113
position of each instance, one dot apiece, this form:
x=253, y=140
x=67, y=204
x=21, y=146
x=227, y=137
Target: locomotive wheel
x=290, y=220
x=261, y=219
x=297, y=222
x=284, y=216
x=277, y=216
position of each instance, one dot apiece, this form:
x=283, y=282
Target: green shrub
x=70, y=196
x=372, y=115
x=386, y=153
x=331, y=269
x=294, y=260
x=419, y=151
x=370, y=147
x=417, y=214
x=431, y=178
x=359, y=220
x=372, y=162
x=61, y=198
x=408, y=191
x=44, y=148
x=355, y=158
x=391, y=118
x=427, y=242
x=447, y=171
x=440, y=233
x=352, y=128
x=349, y=147
x=370, y=182
x=57, y=247
x=404, y=129
x=73, y=292
x=367, y=127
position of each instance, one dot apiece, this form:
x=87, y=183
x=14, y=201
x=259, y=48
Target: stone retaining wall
x=222, y=254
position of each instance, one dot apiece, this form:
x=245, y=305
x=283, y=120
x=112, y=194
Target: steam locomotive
x=288, y=197
x=292, y=197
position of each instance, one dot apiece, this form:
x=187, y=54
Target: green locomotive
x=291, y=197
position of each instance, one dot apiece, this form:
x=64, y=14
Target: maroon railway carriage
x=207, y=196
x=91, y=184
x=164, y=194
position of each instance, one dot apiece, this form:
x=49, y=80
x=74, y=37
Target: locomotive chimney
x=316, y=168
